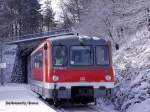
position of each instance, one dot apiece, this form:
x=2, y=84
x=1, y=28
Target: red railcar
x=72, y=67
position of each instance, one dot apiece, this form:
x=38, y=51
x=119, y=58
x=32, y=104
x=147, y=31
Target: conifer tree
x=48, y=20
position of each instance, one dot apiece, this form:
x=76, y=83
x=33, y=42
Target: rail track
x=74, y=108
x=81, y=108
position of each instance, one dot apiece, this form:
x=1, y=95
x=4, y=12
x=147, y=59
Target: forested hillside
x=21, y=17
x=124, y=22
x=112, y=19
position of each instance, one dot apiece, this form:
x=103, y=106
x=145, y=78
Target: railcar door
x=45, y=68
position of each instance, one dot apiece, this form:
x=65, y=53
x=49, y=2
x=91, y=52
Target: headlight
x=55, y=78
x=108, y=77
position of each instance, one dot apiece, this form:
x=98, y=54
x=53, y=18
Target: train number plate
x=82, y=78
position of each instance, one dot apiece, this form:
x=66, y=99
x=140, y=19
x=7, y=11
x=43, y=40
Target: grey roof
x=74, y=39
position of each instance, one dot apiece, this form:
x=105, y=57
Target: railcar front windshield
x=102, y=55
x=81, y=55
x=60, y=55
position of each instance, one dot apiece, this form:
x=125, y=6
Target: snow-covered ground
x=18, y=98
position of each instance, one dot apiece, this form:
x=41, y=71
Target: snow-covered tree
x=30, y=19
x=72, y=10
x=48, y=16
x=20, y=17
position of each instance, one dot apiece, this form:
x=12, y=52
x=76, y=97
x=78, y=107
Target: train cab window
x=37, y=60
x=36, y=63
x=102, y=55
x=60, y=55
x=81, y=55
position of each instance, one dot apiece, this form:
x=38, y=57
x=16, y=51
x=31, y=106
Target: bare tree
x=108, y=27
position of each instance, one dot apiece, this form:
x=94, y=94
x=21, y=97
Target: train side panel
x=40, y=62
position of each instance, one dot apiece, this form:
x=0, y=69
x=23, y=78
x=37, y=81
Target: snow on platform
x=19, y=98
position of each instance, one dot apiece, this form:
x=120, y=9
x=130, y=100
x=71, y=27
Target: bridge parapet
x=41, y=34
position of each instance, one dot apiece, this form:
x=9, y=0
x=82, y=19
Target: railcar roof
x=74, y=39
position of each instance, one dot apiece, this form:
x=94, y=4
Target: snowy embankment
x=132, y=64
x=19, y=98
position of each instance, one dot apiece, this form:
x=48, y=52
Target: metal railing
x=35, y=37
x=41, y=34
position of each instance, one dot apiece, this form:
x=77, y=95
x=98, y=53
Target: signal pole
x=1, y=61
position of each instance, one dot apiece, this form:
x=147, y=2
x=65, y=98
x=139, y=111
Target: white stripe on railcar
x=70, y=84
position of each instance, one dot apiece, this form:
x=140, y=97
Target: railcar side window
x=37, y=60
x=60, y=55
x=81, y=55
x=102, y=55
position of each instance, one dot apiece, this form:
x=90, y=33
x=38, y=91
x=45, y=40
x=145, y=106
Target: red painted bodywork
x=77, y=75
x=37, y=74
x=70, y=75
